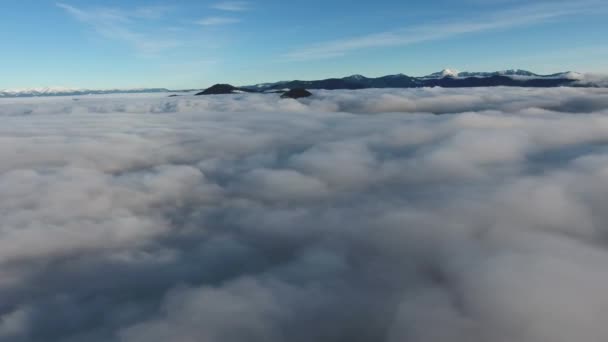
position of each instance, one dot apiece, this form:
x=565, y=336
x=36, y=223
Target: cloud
x=351, y=215
x=152, y=12
x=597, y=79
x=507, y=19
x=217, y=21
x=232, y=6
x=118, y=25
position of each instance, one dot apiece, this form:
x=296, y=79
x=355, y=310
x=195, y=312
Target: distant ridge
x=62, y=91
x=447, y=78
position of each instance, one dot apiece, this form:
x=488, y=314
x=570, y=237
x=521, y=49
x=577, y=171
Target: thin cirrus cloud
x=507, y=19
x=152, y=12
x=218, y=21
x=232, y=6
x=118, y=25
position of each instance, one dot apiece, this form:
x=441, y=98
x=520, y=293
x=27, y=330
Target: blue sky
x=193, y=44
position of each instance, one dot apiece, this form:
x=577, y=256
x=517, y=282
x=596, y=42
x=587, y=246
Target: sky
x=186, y=44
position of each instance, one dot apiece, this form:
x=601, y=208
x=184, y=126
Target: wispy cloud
x=517, y=17
x=216, y=21
x=117, y=24
x=152, y=12
x=232, y=6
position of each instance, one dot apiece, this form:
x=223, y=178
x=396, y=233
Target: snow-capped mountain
x=456, y=74
x=509, y=73
x=513, y=73
x=443, y=73
x=65, y=91
x=355, y=77
x=449, y=78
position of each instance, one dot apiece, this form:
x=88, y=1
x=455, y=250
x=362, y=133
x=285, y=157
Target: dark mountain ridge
x=220, y=89
x=446, y=78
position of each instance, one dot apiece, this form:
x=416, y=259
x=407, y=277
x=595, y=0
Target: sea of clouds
x=350, y=216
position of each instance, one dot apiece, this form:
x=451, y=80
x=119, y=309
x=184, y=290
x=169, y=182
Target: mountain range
x=62, y=91
x=447, y=78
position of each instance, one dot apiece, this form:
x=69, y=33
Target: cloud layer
x=349, y=216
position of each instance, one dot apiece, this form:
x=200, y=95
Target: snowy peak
x=450, y=73
x=443, y=73
x=356, y=77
